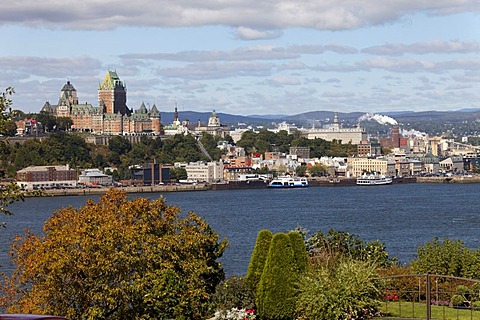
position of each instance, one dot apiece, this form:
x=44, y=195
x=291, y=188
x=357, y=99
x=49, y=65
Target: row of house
x=45, y=177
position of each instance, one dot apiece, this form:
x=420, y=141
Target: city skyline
x=247, y=58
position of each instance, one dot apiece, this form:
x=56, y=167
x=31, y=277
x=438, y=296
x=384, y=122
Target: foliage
x=236, y=314
x=406, y=285
x=68, y=148
x=447, y=257
x=276, y=291
x=257, y=260
x=178, y=174
x=119, y=145
x=323, y=247
x=210, y=143
x=231, y=294
x=319, y=169
x=301, y=171
x=299, y=251
x=346, y=290
x=457, y=300
x=5, y=103
x=11, y=192
x=415, y=310
x=269, y=141
x=117, y=259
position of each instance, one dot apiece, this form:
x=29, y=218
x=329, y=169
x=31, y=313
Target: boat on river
x=288, y=182
x=373, y=180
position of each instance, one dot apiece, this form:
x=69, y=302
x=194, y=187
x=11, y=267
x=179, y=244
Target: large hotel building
x=111, y=116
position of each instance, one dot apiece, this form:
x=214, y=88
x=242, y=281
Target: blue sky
x=247, y=57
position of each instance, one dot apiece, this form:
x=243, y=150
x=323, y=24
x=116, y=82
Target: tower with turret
x=112, y=94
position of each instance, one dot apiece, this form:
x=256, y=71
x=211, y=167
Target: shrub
x=231, y=294
x=347, y=290
x=257, y=260
x=299, y=251
x=276, y=293
x=457, y=300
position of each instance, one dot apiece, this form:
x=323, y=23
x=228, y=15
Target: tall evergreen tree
x=299, y=251
x=276, y=293
x=257, y=260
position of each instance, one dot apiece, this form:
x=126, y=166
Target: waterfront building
x=94, y=177
x=358, y=166
x=430, y=164
x=46, y=177
x=112, y=115
x=338, y=133
x=205, y=171
x=452, y=164
x=150, y=174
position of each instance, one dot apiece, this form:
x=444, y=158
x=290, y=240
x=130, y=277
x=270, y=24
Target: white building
x=336, y=132
x=358, y=166
x=205, y=171
x=93, y=177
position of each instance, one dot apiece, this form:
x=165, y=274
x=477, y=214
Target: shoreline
x=238, y=185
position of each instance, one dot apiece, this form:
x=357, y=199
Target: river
x=403, y=216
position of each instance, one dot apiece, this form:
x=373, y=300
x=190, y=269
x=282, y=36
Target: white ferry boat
x=373, y=180
x=288, y=182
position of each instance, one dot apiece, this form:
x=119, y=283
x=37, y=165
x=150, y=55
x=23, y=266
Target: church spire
x=175, y=114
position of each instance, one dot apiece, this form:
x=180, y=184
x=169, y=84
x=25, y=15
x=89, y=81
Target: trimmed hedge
x=276, y=293
x=257, y=260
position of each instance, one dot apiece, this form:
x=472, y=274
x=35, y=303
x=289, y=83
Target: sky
x=247, y=57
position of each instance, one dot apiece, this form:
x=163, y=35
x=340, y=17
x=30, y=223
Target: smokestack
x=395, y=136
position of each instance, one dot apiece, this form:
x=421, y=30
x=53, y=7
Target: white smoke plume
x=379, y=118
x=413, y=133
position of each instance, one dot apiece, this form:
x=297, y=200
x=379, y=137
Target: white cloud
x=245, y=16
x=280, y=81
x=245, y=33
x=427, y=47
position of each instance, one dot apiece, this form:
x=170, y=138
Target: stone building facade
x=111, y=116
x=336, y=132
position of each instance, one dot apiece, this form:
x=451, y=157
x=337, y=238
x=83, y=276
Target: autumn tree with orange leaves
x=117, y=259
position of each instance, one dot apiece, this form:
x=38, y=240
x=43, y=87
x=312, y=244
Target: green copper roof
x=110, y=81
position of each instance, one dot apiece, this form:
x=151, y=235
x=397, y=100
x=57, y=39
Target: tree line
x=71, y=148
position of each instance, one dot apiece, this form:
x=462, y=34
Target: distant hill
x=460, y=122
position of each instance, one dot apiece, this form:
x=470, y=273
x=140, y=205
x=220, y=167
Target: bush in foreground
x=117, y=259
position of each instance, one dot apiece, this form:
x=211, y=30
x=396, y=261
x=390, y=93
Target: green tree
x=276, y=291
x=210, y=143
x=47, y=120
x=299, y=251
x=348, y=289
x=323, y=247
x=67, y=148
x=449, y=257
x=117, y=259
x=257, y=260
x=119, y=145
x=10, y=128
x=233, y=293
x=301, y=171
x=178, y=174
x=318, y=169
x=11, y=192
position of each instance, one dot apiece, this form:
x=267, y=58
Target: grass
x=418, y=311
